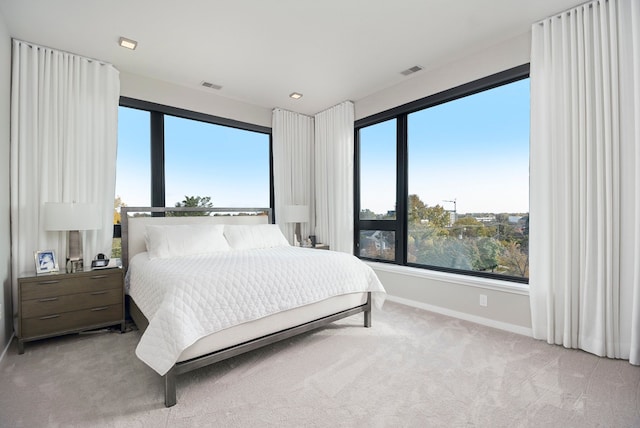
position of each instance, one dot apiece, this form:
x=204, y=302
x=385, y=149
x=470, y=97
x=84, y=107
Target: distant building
x=515, y=218
x=486, y=219
x=452, y=218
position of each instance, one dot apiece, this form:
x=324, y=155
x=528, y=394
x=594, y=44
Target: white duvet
x=187, y=298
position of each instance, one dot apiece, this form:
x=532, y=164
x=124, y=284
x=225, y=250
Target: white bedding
x=187, y=298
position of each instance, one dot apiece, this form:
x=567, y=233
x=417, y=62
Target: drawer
x=67, y=321
x=70, y=302
x=50, y=286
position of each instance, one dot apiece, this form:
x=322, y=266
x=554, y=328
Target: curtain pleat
x=585, y=166
x=334, y=144
x=63, y=148
x=293, y=171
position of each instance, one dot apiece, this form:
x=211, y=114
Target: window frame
x=157, y=146
x=400, y=114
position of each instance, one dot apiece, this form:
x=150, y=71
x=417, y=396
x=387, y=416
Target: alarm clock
x=99, y=262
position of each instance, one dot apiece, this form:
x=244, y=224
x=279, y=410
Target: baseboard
x=512, y=328
x=6, y=348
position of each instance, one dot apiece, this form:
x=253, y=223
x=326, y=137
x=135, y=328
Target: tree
x=437, y=216
x=489, y=251
x=193, y=202
x=468, y=227
x=367, y=214
x=514, y=260
x=417, y=210
x=117, y=204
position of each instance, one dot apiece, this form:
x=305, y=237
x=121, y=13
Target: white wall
x=200, y=100
x=507, y=309
x=498, y=58
x=6, y=318
x=459, y=296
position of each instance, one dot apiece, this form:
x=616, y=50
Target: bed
x=207, y=284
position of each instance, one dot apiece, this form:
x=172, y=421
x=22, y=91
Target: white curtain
x=334, y=176
x=63, y=148
x=585, y=176
x=293, y=167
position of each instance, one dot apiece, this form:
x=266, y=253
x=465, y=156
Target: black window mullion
x=401, y=190
x=157, y=159
x=356, y=193
x=378, y=225
x=272, y=195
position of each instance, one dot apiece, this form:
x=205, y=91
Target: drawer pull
x=96, y=293
x=48, y=317
x=99, y=277
x=50, y=299
x=48, y=282
x=104, y=308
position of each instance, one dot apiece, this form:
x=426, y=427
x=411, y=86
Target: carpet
x=413, y=368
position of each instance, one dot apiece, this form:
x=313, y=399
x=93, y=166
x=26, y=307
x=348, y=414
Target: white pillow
x=244, y=237
x=184, y=240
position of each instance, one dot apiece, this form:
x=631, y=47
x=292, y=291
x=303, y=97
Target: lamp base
x=74, y=266
x=74, y=249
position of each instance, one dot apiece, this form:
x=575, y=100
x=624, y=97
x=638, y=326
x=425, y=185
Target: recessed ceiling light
x=295, y=95
x=127, y=43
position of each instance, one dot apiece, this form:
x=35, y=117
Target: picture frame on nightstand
x=46, y=262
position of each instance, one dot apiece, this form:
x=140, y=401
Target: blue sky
x=474, y=150
x=229, y=165
x=133, y=171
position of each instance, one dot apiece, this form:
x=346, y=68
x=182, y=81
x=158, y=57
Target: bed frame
x=220, y=216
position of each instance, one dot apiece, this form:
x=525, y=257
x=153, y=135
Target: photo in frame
x=46, y=261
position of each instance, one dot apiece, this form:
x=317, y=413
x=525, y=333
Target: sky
x=474, y=150
x=229, y=165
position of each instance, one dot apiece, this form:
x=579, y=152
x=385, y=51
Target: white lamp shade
x=296, y=214
x=71, y=216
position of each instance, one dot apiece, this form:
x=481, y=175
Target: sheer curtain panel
x=334, y=143
x=293, y=168
x=63, y=148
x=585, y=176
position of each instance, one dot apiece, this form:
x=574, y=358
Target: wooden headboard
x=134, y=220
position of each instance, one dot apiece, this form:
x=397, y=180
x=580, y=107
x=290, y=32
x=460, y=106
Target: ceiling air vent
x=411, y=70
x=210, y=85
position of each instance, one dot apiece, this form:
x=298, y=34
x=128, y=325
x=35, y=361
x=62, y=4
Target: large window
x=133, y=164
x=173, y=157
x=461, y=162
x=228, y=165
x=378, y=172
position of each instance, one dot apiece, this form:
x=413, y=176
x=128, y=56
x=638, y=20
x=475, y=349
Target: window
x=228, y=165
x=133, y=164
x=461, y=169
x=169, y=156
x=378, y=171
x=378, y=217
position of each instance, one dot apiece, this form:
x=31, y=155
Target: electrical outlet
x=483, y=300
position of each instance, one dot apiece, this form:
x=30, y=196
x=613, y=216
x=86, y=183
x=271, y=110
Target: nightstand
x=56, y=304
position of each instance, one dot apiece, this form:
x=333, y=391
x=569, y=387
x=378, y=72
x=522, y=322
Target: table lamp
x=71, y=217
x=296, y=214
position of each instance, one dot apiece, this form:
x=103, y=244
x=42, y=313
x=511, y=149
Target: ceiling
x=260, y=51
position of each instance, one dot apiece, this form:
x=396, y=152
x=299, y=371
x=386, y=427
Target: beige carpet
x=413, y=368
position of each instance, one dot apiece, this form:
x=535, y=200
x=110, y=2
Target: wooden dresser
x=57, y=304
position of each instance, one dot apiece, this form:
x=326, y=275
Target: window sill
x=472, y=281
